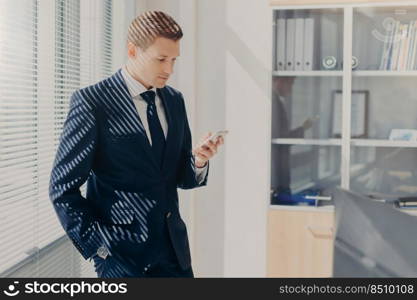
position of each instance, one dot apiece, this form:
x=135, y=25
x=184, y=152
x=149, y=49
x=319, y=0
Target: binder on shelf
x=401, y=48
x=411, y=59
x=290, y=44
x=299, y=44
x=396, y=45
x=308, y=44
x=410, y=45
x=404, y=49
x=407, y=48
x=387, y=49
x=281, y=44
x=392, y=40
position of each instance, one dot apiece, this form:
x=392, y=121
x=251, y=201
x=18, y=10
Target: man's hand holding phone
x=207, y=147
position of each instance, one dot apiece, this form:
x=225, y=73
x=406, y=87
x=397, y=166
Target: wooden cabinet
x=300, y=243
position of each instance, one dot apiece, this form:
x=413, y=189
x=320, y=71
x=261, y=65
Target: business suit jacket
x=131, y=205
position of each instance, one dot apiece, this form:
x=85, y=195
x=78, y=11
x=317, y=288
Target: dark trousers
x=167, y=266
x=108, y=268
x=169, y=270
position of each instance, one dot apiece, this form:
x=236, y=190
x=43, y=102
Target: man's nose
x=168, y=69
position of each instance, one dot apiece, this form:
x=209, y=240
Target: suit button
x=168, y=214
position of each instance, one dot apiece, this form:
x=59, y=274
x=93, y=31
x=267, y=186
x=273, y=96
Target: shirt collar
x=135, y=87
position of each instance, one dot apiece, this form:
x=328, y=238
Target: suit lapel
x=117, y=83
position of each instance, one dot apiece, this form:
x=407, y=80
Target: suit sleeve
x=71, y=168
x=188, y=178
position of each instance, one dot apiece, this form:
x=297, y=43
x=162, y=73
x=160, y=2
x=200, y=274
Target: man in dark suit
x=128, y=136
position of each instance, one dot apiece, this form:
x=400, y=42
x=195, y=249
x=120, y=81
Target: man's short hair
x=150, y=25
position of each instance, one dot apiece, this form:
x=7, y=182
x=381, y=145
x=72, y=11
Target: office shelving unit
x=349, y=145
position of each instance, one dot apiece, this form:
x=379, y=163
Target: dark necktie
x=155, y=128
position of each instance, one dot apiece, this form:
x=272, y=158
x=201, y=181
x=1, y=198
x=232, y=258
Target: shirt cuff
x=201, y=173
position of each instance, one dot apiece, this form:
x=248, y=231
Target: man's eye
x=161, y=59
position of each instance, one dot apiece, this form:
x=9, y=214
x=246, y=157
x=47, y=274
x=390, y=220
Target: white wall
x=123, y=12
x=224, y=73
x=234, y=42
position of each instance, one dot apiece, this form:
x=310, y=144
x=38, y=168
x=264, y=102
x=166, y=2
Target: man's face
x=153, y=66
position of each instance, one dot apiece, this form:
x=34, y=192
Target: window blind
x=18, y=130
x=48, y=49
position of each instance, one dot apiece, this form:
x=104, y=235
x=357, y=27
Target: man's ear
x=131, y=50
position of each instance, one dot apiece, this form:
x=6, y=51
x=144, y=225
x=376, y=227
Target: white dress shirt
x=135, y=89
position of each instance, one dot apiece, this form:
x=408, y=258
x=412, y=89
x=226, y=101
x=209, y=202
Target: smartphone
x=218, y=134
